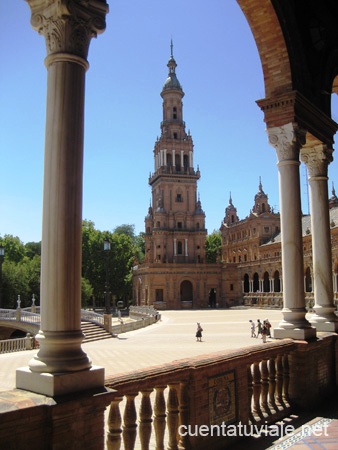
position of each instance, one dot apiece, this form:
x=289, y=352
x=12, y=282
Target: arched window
x=308, y=280
x=174, y=112
x=266, y=282
x=276, y=282
x=186, y=162
x=255, y=282
x=186, y=291
x=179, y=248
x=246, y=285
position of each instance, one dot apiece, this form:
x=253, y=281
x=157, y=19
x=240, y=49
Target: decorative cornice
x=295, y=107
x=68, y=25
x=287, y=141
x=317, y=159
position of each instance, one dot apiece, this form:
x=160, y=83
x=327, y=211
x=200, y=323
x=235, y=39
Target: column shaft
x=287, y=140
x=317, y=160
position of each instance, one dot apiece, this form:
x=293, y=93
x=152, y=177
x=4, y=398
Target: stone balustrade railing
x=143, y=311
x=157, y=406
x=17, y=345
x=272, y=299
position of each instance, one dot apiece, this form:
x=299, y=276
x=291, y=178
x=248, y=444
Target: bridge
x=94, y=326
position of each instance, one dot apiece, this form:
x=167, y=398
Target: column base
x=324, y=319
x=55, y=384
x=325, y=326
x=302, y=334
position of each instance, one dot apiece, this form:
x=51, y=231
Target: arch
x=186, y=291
x=266, y=282
x=308, y=280
x=276, y=282
x=255, y=282
x=246, y=283
x=267, y=43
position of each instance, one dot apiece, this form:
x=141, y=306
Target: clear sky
x=220, y=72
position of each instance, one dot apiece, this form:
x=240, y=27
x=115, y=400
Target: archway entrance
x=186, y=291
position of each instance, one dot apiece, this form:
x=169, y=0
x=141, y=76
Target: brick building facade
x=174, y=274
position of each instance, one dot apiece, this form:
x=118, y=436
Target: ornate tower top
x=333, y=201
x=261, y=201
x=172, y=82
x=230, y=213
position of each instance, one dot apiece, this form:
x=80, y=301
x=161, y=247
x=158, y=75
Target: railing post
x=145, y=415
x=129, y=423
x=114, y=425
x=172, y=408
x=280, y=376
x=183, y=443
x=265, y=387
x=286, y=370
x=272, y=385
x=257, y=387
x=250, y=393
x=160, y=415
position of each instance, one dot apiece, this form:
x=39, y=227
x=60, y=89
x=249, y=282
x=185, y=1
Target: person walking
x=252, y=327
x=264, y=332
x=268, y=326
x=259, y=328
x=199, y=332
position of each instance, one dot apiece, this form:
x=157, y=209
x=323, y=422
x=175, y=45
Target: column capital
x=287, y=140
x=317, y=158
x=68, y=25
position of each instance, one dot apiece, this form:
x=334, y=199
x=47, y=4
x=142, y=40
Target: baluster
x=129, y=423
x=280, y=376
x=114, y=425
x=172, y=407
x=250, y=394
x=265, y=388
x=145, y=415
x=272, y=386
x=257, y=387
x=286, y=378
x=160, y=415
x=184, y=413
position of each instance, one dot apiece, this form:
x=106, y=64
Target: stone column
x=68, y=27
x=317, y=159
x=287, y=141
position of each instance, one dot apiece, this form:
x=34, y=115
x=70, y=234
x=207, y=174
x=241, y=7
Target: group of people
x=262, y=329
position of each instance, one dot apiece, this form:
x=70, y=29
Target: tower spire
x=171, y=48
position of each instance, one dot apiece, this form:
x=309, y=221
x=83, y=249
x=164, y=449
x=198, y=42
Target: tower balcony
x=174, y=171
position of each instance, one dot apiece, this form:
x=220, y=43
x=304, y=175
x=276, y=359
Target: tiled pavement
x=174, y=338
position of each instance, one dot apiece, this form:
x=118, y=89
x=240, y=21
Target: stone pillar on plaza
x=287, y=140
x=61, y=366
x=317, y=159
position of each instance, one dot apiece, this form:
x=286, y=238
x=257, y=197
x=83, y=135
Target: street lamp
x=2, y=257
x=106, y=248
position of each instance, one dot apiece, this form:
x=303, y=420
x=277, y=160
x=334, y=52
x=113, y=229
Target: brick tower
x=175, y=224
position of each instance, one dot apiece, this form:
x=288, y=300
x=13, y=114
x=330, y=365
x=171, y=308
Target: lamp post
x=2, y=257
x=106, y=248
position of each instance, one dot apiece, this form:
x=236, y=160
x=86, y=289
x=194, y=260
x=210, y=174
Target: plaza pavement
x=170, y=339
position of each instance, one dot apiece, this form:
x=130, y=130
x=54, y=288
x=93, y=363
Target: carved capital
x=68, y=25
x=317, y=159
x=287, y=141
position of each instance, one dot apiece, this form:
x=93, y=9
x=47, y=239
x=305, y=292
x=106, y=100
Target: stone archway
x=186, y=291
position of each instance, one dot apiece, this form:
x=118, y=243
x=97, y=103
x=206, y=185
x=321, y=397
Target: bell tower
x=175, y=224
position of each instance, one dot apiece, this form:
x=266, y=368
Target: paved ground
x=170, y=339
x=174, y=338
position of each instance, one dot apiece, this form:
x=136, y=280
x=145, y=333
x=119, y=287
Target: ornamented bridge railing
x=184, y=404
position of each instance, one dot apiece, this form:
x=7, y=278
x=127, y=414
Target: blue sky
x=221, y=75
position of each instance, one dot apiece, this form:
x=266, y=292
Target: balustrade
x=157, y=402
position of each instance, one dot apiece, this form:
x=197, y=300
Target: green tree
x=14, y=248
x=213, y=246
x=126, y=229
